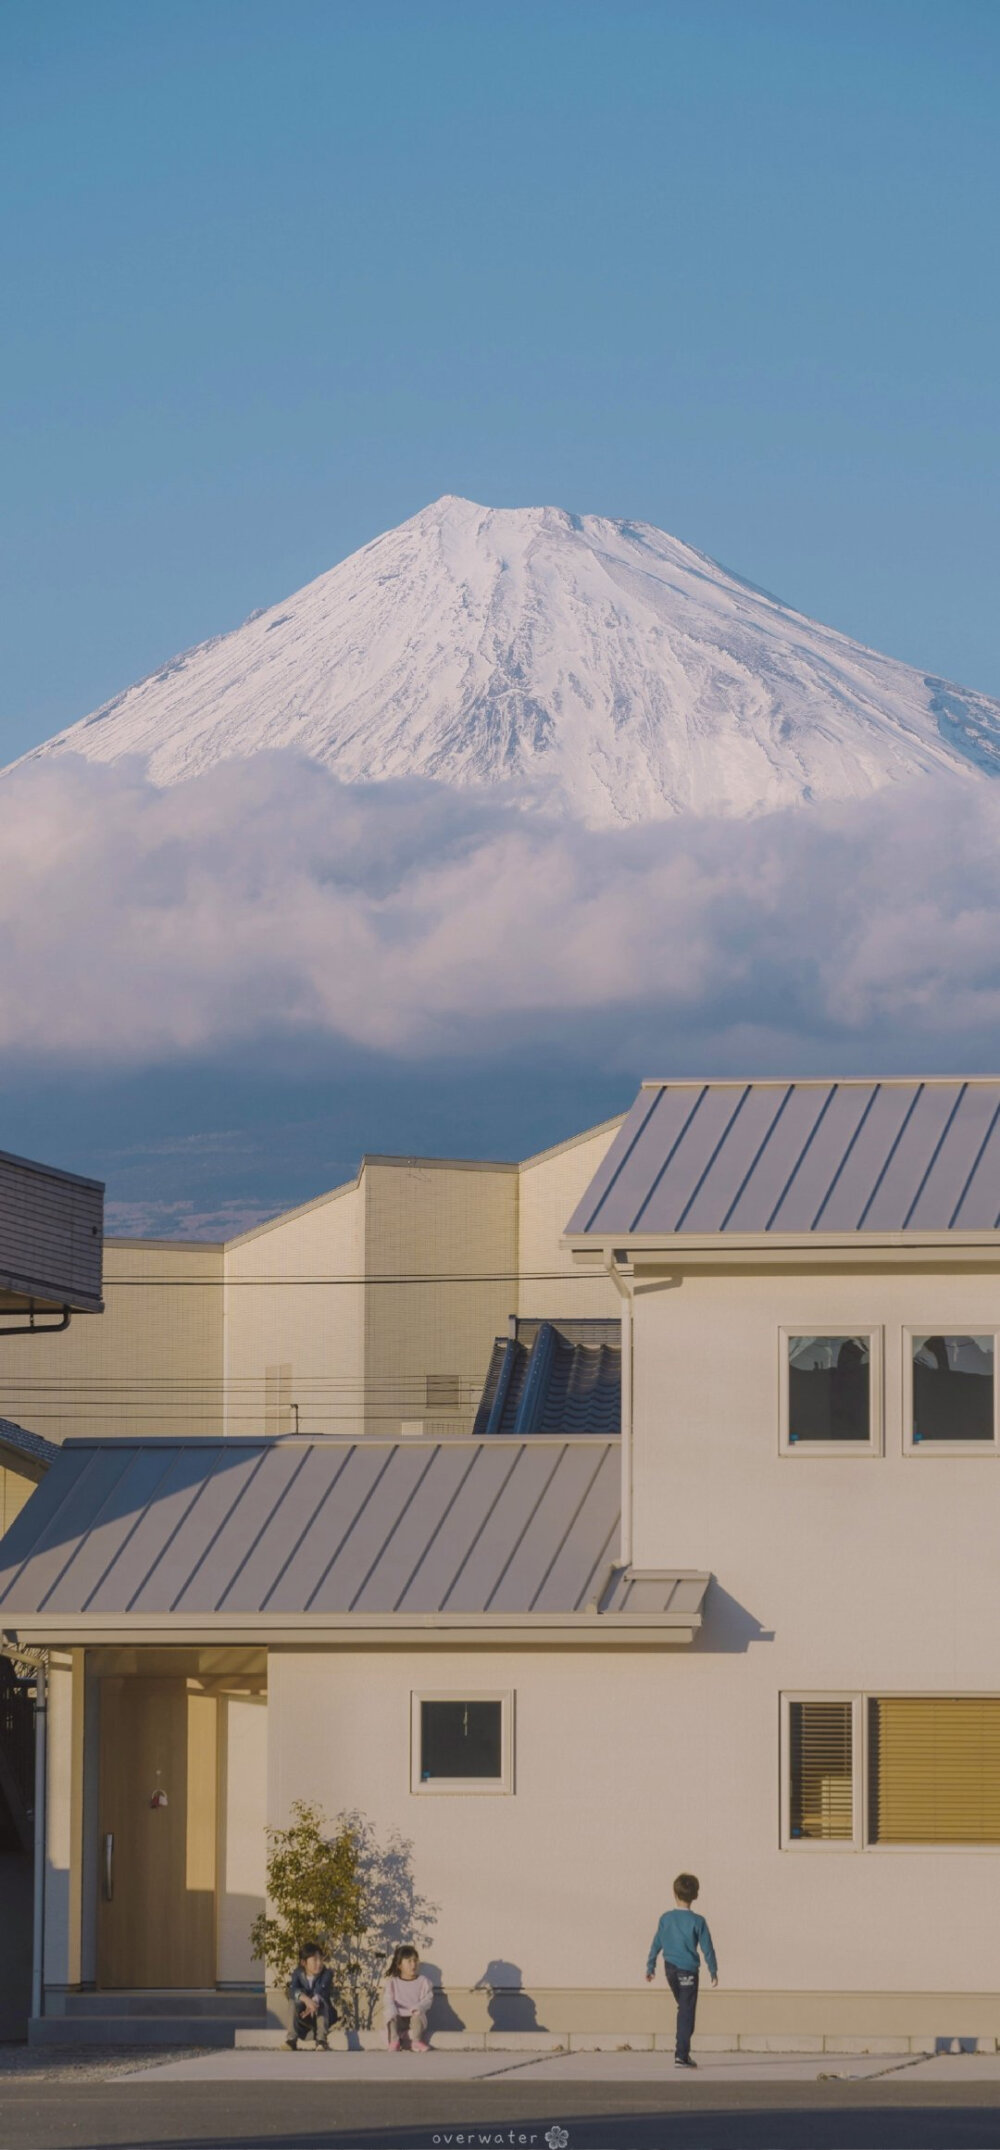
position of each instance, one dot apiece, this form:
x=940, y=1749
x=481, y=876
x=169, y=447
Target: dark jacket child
x=310, y=1990
x=678, y=1938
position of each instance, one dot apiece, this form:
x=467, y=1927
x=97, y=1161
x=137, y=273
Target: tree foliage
x=341, y=1886
x=393, y=1910
x=314, y=1891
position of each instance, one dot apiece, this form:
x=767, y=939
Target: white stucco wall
x=834, y=1573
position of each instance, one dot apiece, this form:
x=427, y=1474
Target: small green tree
x=314, y=1891
x=392, y=1910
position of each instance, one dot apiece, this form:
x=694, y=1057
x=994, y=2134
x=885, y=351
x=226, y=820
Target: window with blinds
x=934, y=1770
x=821, y=1771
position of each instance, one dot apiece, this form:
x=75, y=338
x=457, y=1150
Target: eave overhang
x=639, y=1254
x=368, y=1631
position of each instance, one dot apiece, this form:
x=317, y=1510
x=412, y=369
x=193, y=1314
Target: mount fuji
x=598, y=670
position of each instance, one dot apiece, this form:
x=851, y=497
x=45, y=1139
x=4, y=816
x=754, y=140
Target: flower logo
x=557, y=2138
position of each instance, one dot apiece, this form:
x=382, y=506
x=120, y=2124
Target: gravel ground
x=87, y=2064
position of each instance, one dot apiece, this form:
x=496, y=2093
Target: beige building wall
x=242, y=1849
x=372, y=1308
x=549, y=1188
x=844, y=1574
x=150, y=1364
x=441, y=1263
x=294, y=1321
x=16, y=1488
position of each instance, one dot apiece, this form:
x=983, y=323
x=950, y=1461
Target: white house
x=756, y=1634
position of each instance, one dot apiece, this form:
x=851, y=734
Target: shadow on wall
x=728, y=1627
x=442, y=2016
x=509, y=2007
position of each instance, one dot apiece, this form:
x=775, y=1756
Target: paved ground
x=270, y=2101
x=406, y=2070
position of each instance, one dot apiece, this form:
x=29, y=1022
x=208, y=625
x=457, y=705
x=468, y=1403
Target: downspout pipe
x=621, y=1273
x=41, y=1779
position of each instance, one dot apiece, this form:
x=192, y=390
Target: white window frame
x=860, y=1699
x=478, y=1787
x=948, y=1448
x=809, y=1844
x=876, y=1407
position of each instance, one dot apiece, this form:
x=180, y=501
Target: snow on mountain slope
x=601, y=669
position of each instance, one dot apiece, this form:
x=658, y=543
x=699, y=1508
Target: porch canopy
x=358, y=1543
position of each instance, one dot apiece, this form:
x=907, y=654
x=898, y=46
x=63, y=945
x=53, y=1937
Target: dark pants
x=317, y=2026
x=684, y=1987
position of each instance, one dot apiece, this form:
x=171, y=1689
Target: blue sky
x=275, y=277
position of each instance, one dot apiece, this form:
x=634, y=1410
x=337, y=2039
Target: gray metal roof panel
x=588, y=1545
x=126, y=1497
x=372, y=1530
x=122, y=1528
x=151, y=1530
x=526, y=1579
x=63, y=1510
x=44, y=1514
x=193, y=1560
x=794, y=1158
x=486, y=1558
x=747, y=1131
x=352, y=1480
x=977, y=1203
x=815, y=1173
x=437, y=1571
x=223, y=1526
x=795, y=1110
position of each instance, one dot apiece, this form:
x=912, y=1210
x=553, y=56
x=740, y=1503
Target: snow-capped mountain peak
x=601, y=669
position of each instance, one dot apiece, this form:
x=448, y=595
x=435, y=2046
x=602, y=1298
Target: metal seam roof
x=797, y=1158
x=121, y=1529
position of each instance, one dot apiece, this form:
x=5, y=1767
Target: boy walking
x=678, y=1938
x=310, y=1990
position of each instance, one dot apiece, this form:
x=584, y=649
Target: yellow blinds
x=822, y=1771
x=934, y=1770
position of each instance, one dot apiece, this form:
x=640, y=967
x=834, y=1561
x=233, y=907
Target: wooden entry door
x=156, y=1883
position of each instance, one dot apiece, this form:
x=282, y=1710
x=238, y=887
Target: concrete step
x=167, y=2001
x=133, y=2030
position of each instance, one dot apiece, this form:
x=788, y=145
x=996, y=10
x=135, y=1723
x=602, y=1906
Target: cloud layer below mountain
x=266, y=900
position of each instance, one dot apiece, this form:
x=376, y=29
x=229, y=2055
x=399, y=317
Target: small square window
x=830, y=1393
x=950, y=1391
x=461, y=1743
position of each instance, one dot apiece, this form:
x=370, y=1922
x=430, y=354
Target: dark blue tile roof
x=554, y=1377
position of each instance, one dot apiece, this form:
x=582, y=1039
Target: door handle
x=109, y=1867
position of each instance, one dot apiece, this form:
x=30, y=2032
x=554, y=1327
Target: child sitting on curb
x=408, y=1996
x=310, y=1990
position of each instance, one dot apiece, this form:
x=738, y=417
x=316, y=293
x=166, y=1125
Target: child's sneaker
x=685, y=2063
x=394, y=2045
x=418, y=2046
x=292, y=2042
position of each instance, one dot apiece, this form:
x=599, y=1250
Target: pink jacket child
x=408, y=1996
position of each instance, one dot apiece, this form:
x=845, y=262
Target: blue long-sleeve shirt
x=678, y=1937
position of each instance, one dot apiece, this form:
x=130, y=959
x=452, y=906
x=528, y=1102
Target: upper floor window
x=951, y=1390
x=830, y=1394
